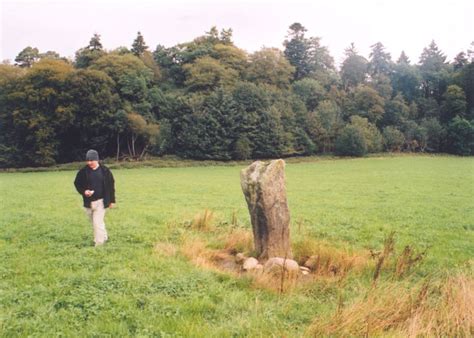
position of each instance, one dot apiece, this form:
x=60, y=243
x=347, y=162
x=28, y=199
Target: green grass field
x=53, y=282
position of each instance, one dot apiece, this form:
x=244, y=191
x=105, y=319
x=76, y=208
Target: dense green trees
x=209, y=99
x=139, y=47
x=27, y=57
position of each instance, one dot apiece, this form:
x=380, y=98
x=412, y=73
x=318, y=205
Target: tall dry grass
x=237, y=240
x=443, y=309
x=328, y=260
x=203, y=221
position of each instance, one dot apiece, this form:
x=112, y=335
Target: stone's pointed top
x=258, y=168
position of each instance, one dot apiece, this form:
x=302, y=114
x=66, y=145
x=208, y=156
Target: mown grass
x=54, y=282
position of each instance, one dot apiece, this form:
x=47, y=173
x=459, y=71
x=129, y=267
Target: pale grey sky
x=67, y=25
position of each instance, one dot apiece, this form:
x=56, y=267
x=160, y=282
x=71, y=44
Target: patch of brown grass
x=237, y=240
x=443, y=308
x=329, y=260
x=196, y=251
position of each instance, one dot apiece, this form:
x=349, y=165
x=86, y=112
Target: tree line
x=209, y=99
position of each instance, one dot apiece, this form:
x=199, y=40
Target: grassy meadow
x=146, y=282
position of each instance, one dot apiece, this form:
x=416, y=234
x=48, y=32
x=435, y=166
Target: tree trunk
x=133, y=145
x=263, y=185
x=129, y=149
x=143, y=152
x=118, y=146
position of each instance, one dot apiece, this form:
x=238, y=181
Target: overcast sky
x=65, y=26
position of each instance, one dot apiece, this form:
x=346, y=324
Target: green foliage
x=217, y=102
x=351, y=142
x=353, y=69
x=259, y=121
x=406, y=79
x=242, y=149
x=368, y=103
x=454, y=103
x=231, y=57
x=87, y=55
x=309, y=58
x=435, y=134
x=324, y=124
x=415, y=136
x=310, y=92
x=380, y=61
x=296, y=51
x=208, y=129
x=142, y=135
x=303, y=144
x=396, y=112
x=269, y=66
x=466, y=81
x=372, y=136
x=39, y=114
x=139, y=47
x=461, y=137
x=207, y=73
x=434, y=72
x=27, y=57
x=393, y=139
x=93, y=104
x=116, y=66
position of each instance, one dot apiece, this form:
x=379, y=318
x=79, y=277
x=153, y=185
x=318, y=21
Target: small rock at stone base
x=275, y=265
x=304, y=268
x=239, y=258
x=250, y=264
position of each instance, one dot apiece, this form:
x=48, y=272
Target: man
x=95, y=183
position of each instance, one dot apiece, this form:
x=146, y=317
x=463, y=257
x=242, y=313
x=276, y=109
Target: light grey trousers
x=96, y=214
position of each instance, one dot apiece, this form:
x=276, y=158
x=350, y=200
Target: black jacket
x=82, y=184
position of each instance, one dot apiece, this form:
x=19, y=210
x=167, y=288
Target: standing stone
x=263, y=185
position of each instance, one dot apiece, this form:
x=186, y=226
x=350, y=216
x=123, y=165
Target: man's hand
x=112, y=205
x=88, y=193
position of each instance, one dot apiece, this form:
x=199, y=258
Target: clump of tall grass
x=237, y=240
x=381, y=257
x=407, y=260
x=203, y=220
x=432, y=308
x=400, y=265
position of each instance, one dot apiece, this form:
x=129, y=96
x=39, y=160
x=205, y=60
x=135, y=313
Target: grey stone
x=240, y=258
x=263, y=185
x=250, y=264
x=259, y=269
x=277, y=265
x=304, y=268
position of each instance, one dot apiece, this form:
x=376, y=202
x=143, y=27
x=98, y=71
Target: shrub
x=373, y=138
x=461, y=136
x=393, y=139
x=242, y=149
x=351, y=142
